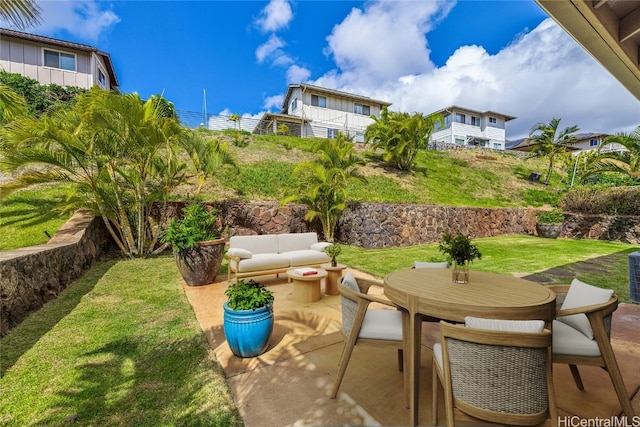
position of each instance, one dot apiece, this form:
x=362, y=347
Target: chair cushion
x=569, y=341
x=505, y=325
x=420, y=264
x=295, y=241
x=305, y=257
x=260, y=262
x=260, y=244
x=349, y=281
x=581, y=294
x=382, y=325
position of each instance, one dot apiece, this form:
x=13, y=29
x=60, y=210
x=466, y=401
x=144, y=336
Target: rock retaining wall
x=31, y=276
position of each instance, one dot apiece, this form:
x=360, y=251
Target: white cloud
x=297, y=74
x=275, y=16
x=542, y=74
x=274, y=101
x=87, y=19
x=271, y=48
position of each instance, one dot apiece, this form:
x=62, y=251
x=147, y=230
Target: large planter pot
x=200, y=265
x=550, y=231
x=248, y=331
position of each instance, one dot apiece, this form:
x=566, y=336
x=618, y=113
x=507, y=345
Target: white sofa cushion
x=535, y=326
x=295, y=242
x=259, y=262
x=320, y=246
x=306, y=257
x=259, y=244
x=567, y=340
x=581, y=294
x=420, y=264
x=240, y=253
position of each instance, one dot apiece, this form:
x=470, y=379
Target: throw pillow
x=582, y=294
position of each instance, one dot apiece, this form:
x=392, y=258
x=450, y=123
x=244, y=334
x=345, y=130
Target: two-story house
x=314, y=111
x=585, y=141
x=49, y=60
x=464, y=126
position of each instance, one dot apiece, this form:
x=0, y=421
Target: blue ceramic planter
x=248, y=331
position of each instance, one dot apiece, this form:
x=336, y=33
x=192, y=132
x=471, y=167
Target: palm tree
x=11, y=104
x=549, y=142
x=207, y=156
x=324, y=182
x=627, y=162
x=20, y=13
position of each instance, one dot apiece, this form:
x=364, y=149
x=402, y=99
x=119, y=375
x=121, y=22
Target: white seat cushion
x=569, y=341
x=580, y=295
x=382, y=325
x=260, y=262
x=504, y=325
x=306, y=257
x=420, y=264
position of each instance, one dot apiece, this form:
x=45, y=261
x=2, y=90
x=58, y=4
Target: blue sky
x=421, y=55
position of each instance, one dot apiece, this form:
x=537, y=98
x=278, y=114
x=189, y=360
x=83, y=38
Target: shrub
x=602, y=200
x=248, y=295
x=554, y=216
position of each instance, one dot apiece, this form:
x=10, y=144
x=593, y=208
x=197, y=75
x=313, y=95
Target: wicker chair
x=361, y=325
x=495, y=375
x=572, y=347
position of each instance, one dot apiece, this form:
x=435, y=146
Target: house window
x=319, y=101
x=475, y=121
x=362, y=109
x=65, y=61
x=293, y=105
x=460, y=118
x=102, y=79
x=497, y=146
x=447, y=120
x=459, y=141
x=593, y=143
x=493, y=120
x=332, y=133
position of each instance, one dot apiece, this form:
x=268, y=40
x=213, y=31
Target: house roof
x=482, y=113
x=65, y=45
x=332, y=92
x=589, y=135
x=608, y=29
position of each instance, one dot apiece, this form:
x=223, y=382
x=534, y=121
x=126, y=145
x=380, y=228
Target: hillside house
x=49, y=60
x=464, y=126
x=314, y=111
x=586, y=141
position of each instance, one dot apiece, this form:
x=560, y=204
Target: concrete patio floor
x=289, y=385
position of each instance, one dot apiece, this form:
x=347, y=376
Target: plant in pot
x=550, y=223
x=248, y=318
x=460, y=252
x=197, y=244
x=333, y=251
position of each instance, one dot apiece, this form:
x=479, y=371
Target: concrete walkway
x=289, y=385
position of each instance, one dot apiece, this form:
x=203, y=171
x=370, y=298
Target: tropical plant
x=248, y=295
x=324, y=182
x=11, y=104
x=282, y=129
x=554, y=216
x=550, y=142
x=333, y=251
x=401, y=136
x=196, y=225
x=458, y=248
x=20, y=13
x=627, y=162
x=119, y=154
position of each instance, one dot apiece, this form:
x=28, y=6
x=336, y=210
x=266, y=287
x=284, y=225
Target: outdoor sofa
x=266, y=254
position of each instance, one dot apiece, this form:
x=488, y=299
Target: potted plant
x=549, y=223
x=197, y=246
x=333, y=251
x=248, y=318
x=460, y=252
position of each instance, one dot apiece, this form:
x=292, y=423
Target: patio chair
x=361, y=325
x=582, y=333
x=501, y=375
x=420, y=264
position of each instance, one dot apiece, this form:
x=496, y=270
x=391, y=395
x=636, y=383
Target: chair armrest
x=363, y=296
x=605, y=307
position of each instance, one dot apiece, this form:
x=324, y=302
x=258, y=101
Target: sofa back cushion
x=261, y=244
x=296, y=241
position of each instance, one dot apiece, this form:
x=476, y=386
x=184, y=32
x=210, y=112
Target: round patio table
x=431, y=292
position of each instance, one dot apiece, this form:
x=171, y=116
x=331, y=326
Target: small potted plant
x=197, y=244
x=333, y=251
x=248, y=318
x=460, y=252
x=549, y=223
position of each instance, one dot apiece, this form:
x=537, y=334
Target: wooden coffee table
x=306, y=288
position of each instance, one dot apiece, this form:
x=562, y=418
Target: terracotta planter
x=550, y=231
x=200, y=265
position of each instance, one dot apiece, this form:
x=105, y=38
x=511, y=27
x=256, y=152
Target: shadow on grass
x=22, y=337
x=38, y=210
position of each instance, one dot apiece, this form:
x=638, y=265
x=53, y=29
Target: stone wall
x=31, y=276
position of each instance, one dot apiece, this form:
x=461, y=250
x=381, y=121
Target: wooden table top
x=321, y=274
x=432, y=292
